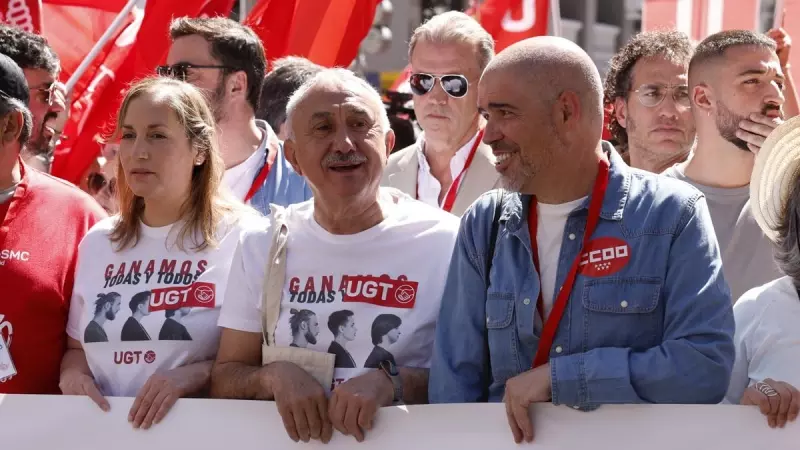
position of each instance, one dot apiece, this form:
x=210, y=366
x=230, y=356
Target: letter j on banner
x=523, y=20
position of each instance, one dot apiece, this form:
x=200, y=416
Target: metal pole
x=555, y=18
x=98, y=47
x=243, y=10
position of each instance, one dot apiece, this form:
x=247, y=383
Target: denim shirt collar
x=515, y=207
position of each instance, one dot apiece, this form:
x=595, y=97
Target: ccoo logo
x=604, y=256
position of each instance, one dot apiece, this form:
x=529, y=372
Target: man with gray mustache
x=355, y=252
x=737, y=93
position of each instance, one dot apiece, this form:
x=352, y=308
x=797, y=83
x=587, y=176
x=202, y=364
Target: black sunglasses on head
x=454, y=85
x=180, y=70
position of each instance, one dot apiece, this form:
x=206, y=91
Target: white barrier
x=66, y=423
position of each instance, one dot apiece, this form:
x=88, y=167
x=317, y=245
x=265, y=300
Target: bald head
x=551, y=66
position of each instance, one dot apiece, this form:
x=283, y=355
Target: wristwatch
x=390, y=369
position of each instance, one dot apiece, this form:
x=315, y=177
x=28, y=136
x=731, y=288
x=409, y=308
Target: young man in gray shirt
x=736, y=84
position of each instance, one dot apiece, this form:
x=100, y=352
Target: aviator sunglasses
x=455, y=85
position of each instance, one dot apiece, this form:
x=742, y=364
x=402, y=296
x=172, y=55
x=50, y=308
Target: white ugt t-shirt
x=150, y=307
x=365, y=297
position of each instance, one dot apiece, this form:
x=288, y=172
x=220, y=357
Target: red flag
x=147, y=46
x=328, y=32
x=25, y=14
x=510, y=21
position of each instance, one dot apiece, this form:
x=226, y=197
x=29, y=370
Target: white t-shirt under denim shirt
x=152, y=306
x=364, y=297
x=767, y=337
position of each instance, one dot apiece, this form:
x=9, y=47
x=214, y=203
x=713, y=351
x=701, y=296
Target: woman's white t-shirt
x=150, y=307
x=366, y=297
x=767, y=337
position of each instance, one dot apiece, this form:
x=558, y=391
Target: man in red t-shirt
x=42, y=220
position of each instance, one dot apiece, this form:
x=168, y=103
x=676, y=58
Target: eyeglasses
x=651, y=95
x=455, y=85
x=97, y=181
x=180, y=70
x=48, y=93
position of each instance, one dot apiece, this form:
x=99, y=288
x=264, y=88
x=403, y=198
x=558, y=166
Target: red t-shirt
x=44, y=222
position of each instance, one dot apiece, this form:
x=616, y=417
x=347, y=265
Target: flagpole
x=777, y=16
x=242, y=10
x=555, y=17
x=98, y=47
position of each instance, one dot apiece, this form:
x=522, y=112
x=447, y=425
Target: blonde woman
x=149, y=283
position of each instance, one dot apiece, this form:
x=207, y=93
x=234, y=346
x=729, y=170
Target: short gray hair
x=455, y=27
x=10, y=105
x=346, y=80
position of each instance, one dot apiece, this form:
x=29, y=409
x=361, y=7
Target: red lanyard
x=450, y=197
x=261, y=177
x=551, y=325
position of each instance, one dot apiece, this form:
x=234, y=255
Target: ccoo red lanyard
x=261, y=177
x=450, y=197
x=551, y=324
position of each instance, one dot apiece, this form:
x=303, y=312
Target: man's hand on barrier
x=301, y=402
x=74, y=382
x=530, y=387
x=355, y=402
x=157, y=397
x=779, y=401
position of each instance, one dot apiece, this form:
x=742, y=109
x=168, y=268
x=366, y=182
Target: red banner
x=137, y=50
x=328, y=32
x=25, y=14
x=197, y=295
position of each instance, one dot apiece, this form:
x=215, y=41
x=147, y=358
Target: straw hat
x=776, y=170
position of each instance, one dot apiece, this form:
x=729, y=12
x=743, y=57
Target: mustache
x=342, y=159
x=503, y=146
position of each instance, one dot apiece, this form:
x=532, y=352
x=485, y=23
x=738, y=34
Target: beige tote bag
x=318, y=364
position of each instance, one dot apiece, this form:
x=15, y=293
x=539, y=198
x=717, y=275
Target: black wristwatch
x=390, y=369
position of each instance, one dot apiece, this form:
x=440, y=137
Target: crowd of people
x=270, y=243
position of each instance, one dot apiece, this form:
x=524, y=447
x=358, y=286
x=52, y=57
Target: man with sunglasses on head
x=647, y=88
x=736, y=83
x=227, y=61
x=449, y=167
x=48, y=102
x=42, y=221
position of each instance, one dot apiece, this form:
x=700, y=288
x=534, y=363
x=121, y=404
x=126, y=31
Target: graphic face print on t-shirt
x=172, y=303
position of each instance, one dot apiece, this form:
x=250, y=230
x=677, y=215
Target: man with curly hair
x=647, y=89
x=47, y=100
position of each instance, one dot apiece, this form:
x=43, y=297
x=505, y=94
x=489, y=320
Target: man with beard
x=737, y=86
x=227, y=60
x=304, y=326
x=648, y=90
x=47, y=101
x=106, y=308
x=42, y=222
x=627, y=258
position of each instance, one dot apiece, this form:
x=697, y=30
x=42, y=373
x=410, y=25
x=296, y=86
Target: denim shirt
x=658, y=330
x=282, y=187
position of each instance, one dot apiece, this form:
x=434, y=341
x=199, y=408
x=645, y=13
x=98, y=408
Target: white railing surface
x=66, y=423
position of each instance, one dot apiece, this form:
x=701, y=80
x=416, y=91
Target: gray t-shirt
x=747, y=254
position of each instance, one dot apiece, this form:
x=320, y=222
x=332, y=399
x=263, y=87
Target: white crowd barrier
x=66, y=423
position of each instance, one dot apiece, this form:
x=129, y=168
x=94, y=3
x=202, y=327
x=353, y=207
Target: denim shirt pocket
x=622, y=312
x=502, y=336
